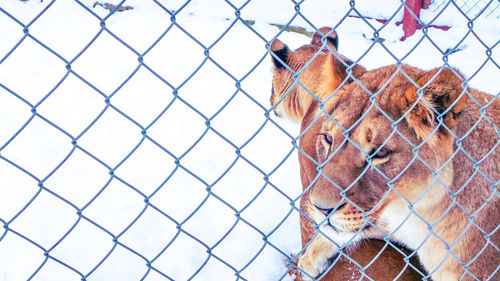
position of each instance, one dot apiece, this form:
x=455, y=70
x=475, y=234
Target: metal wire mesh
x=471, y=10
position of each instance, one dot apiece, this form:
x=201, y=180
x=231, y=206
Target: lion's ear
x=331, y=38
x=442, y=97
x=280, y=54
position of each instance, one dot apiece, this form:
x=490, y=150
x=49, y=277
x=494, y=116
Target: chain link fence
x=137, y=141
x=474, y=8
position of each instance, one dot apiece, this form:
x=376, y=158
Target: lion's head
x=364, y=143
x=383, y=134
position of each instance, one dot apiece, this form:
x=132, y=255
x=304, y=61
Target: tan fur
x=319, y=71
x=363, y=187
x=322, y=78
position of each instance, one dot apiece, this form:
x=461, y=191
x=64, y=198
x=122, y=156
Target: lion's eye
x=324, y=144
x=328, y=139
x=382, y=153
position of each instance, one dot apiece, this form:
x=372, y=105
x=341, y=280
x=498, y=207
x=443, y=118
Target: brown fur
x=322, y=78
x=366, y=187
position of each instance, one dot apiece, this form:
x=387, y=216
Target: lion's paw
x=311, y=267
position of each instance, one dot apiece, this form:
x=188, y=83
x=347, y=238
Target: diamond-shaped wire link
x=79, y=143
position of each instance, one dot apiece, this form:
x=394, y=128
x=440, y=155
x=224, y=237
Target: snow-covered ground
x=91, y=218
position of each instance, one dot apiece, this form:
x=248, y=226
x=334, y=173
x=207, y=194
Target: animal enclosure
x=137, y=140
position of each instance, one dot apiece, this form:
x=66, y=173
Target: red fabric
x=426, y=4
x=419, y=26
x=409, y=20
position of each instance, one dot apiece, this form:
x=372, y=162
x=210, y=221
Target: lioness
x=411, y=156
x=327, y=71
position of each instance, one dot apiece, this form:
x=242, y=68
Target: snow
x=217, y=197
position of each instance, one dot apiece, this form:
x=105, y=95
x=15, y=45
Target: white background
x=32, y=72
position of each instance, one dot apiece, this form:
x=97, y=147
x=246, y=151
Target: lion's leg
x=448, y=270
x=437, y=260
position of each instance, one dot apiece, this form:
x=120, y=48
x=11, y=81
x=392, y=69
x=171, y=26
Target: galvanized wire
x=471, y=9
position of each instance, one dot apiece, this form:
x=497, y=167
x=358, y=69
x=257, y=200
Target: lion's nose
x=327, y=211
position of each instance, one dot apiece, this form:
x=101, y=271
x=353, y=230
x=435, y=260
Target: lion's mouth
x=326, y=212
x=347, y=228
x=337, y=222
